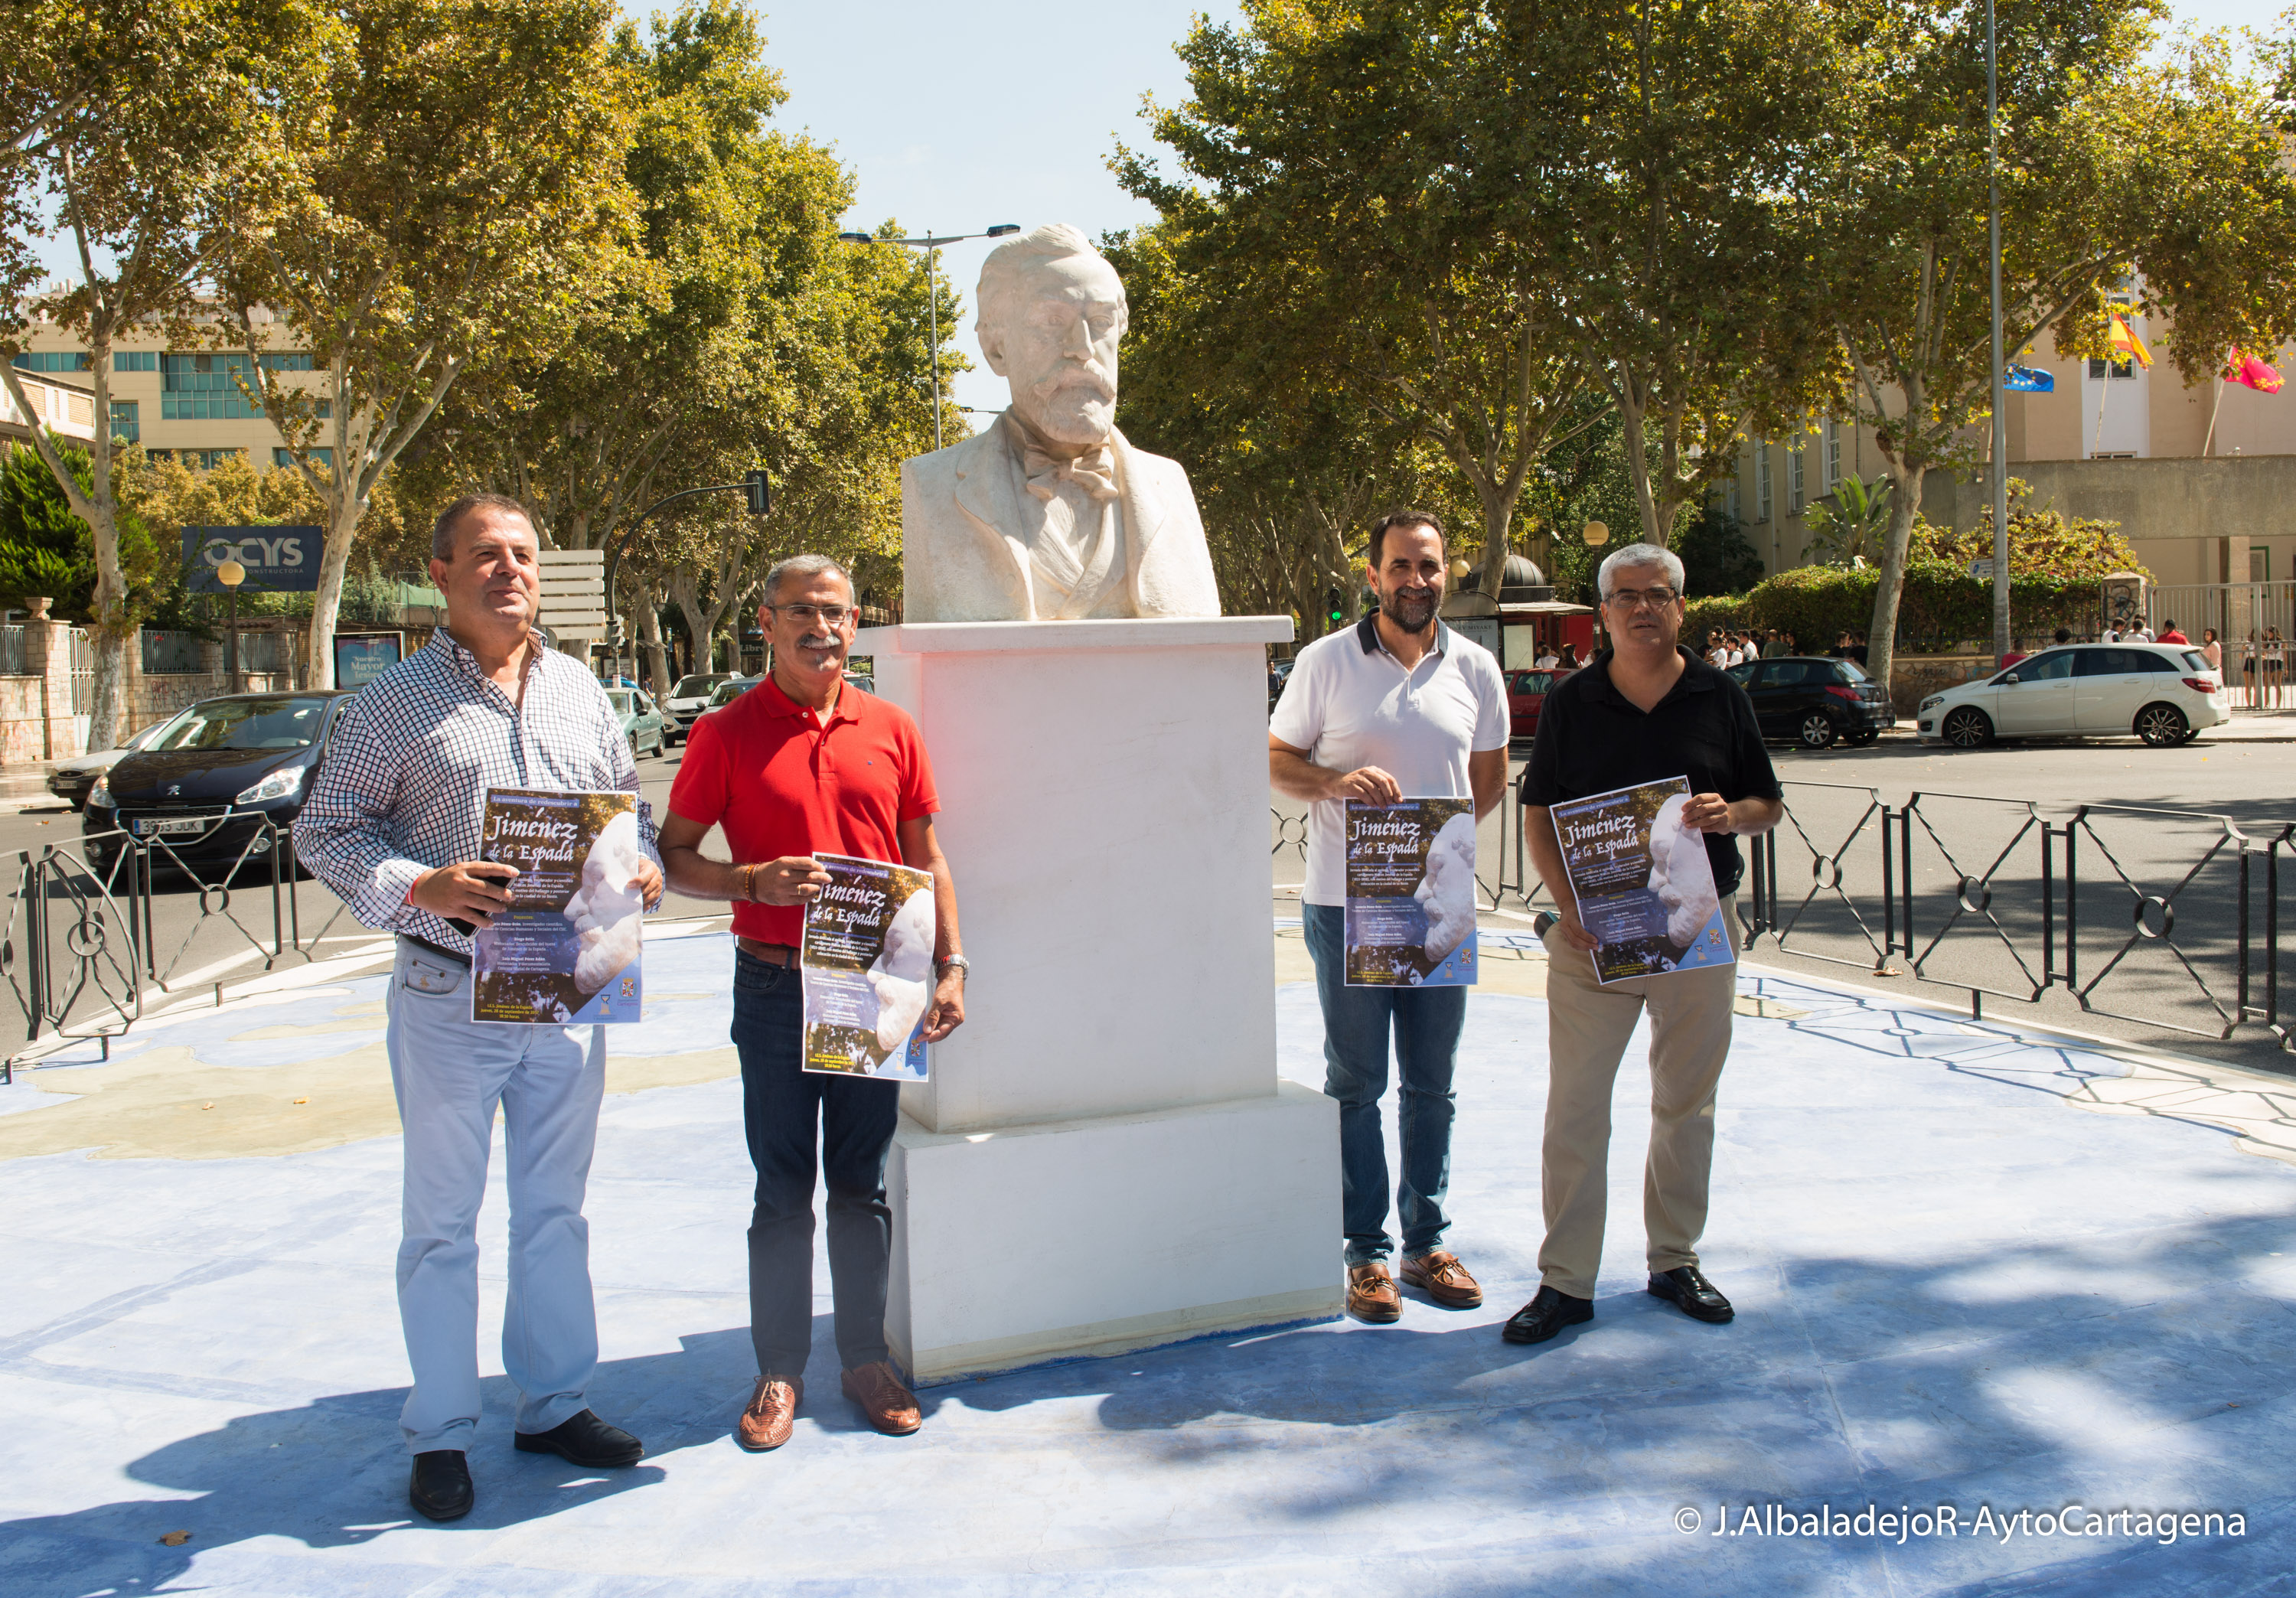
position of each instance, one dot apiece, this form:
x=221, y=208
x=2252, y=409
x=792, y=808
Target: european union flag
x=2027, y=380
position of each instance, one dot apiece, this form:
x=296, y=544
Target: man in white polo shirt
x=1400, y=706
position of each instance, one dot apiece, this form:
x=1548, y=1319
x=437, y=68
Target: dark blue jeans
x=1426, y=1022
x=783, y=1110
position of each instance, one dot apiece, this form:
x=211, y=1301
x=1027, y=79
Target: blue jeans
x=1426, y=1022
x=783, y=1108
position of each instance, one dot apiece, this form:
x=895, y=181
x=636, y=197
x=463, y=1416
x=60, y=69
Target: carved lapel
x=1143, y=512
x=984, y=492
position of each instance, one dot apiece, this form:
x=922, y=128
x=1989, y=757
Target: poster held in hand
x=867, y=964
x=1642, y=880
x=569, y=948
x=1411, y=893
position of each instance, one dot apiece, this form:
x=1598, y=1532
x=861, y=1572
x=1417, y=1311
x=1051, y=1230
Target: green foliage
x=2043, y=545
x=1716, y=558
x=43, y=548
x=1847, y=526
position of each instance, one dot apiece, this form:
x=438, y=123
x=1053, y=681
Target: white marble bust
x=1048, y=514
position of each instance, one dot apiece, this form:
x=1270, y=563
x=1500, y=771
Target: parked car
x=1279, y=673
x=1526, y=692
x=646, y=728
x=730, y=690
x=865, y=681
x=2163, y=692
x=1816, y=701
x=72, y=778
x=213, y=774
x=690, y=698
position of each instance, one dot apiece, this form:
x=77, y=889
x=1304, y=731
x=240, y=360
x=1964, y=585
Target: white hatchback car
x=2162, y=692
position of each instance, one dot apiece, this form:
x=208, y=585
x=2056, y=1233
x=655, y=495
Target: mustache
x=1075, y=375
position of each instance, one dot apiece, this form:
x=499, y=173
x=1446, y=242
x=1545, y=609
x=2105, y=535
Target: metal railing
x=89, y=945
x=12, y=650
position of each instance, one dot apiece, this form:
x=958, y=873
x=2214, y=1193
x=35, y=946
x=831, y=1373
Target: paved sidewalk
x=1959, y=1283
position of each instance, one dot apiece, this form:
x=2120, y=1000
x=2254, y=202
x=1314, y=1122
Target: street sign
x=574, y=593
x=279, y=559
x=1983, y=570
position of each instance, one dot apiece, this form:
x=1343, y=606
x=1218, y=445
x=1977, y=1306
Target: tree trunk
x=342, y=522
x=1882, y=636
x=650, y=640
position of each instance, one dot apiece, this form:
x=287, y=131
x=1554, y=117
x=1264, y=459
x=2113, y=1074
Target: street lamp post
x=931, y=244
x=2000, y=415
x=231, y=574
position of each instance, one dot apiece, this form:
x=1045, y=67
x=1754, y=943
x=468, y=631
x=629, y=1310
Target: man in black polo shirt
x=1644, y=710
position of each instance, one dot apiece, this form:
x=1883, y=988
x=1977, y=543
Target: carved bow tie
x=1093, y=471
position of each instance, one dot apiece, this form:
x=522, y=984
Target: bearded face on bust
x=1048, y=514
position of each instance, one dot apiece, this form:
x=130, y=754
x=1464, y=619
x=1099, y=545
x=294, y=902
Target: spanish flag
x=2124, y=341
x=2246, y=369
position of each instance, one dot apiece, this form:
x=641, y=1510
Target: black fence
x=2165, y=918
x=101, y=929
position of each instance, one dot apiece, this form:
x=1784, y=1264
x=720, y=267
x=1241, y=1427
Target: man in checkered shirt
x=393, y=826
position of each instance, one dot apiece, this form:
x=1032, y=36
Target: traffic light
x=755, y=490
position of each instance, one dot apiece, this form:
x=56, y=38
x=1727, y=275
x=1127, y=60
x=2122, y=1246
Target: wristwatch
x=941, y=968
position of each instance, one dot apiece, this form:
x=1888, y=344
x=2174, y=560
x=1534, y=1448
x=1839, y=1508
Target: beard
x=1076, y=404
x=1411, y=609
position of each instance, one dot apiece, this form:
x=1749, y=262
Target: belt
x=772, y=954
x=443, y=952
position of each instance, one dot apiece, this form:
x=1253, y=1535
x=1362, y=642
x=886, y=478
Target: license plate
x=172, y=826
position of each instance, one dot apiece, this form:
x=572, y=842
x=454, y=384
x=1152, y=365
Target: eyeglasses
x=1635, y=599
x=805, y=615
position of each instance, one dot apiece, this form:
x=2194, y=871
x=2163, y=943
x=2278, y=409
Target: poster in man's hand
x=868, y=963
x=1644, y=882
x=1411, y=893
x=567, y=949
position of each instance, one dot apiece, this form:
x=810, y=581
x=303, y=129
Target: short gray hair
x=450, y=521
x=1000, y=273
x=1639, y=555
x=802, y=566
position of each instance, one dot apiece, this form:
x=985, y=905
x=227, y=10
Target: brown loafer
x=1371, y=1293
x=888, y=1406
x=772, y=1414
x=1439, y=1275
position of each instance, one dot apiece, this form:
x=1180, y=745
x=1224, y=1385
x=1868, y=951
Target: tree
x=131, y=123
x=2162, y=181
x=458, y=193
x=1848, y=530
x=1323, y=215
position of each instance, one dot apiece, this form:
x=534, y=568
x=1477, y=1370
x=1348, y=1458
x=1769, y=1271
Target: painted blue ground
x=1953, y=1289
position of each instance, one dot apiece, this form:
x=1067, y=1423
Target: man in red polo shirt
x=805, y=762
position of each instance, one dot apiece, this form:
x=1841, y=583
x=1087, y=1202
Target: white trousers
x=450, y=1074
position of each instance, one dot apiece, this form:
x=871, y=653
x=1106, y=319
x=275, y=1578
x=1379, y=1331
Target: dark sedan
x=201, y=791
x=1816, y=701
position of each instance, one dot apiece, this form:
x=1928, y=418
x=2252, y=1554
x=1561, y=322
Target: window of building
x=1833, y=455
x=1731, y=500
x=1797, y=460
x=135, y=360
x=53, y=360
x=207, y=460
x=126, y=421
x=1761, y=482
x=324, y=410
x=205, y=387
x=2121, y=368
x=282, y=456
x=292, y=360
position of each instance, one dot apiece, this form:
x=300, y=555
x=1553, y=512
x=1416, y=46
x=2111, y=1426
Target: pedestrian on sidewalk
x=806, y=763
x=393, y=827
x=2169, y=633
x=1644, y=711
x=2212, y=651
x=1397, y=706
x=2275, y=667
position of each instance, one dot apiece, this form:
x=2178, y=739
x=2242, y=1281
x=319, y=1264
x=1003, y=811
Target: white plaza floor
x=1973, y=1269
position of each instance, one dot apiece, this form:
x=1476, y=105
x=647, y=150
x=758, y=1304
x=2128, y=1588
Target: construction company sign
x=279, y=559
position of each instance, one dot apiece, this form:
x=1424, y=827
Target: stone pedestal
x=1103, y=1158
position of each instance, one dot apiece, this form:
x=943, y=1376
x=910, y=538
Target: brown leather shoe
x=772, y=1414
x=888, y=1406
x=1371, y=1293
x=1439, y=1275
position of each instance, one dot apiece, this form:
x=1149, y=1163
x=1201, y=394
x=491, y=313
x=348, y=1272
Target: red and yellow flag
x=2124, y=341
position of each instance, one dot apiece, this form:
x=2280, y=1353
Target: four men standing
x=1398, y=706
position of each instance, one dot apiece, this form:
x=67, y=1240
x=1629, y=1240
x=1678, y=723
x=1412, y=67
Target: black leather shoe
x=1691, y=1293
x=585, y=1441
x=1545, y=1314
x=440, y=1487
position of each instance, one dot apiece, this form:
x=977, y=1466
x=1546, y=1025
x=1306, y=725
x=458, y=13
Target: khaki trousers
x=1587, y=1026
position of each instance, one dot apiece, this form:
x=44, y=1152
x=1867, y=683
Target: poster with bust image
x=569, y=948
x=1643, y=883
x=1411, y=893
x=866, y=961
